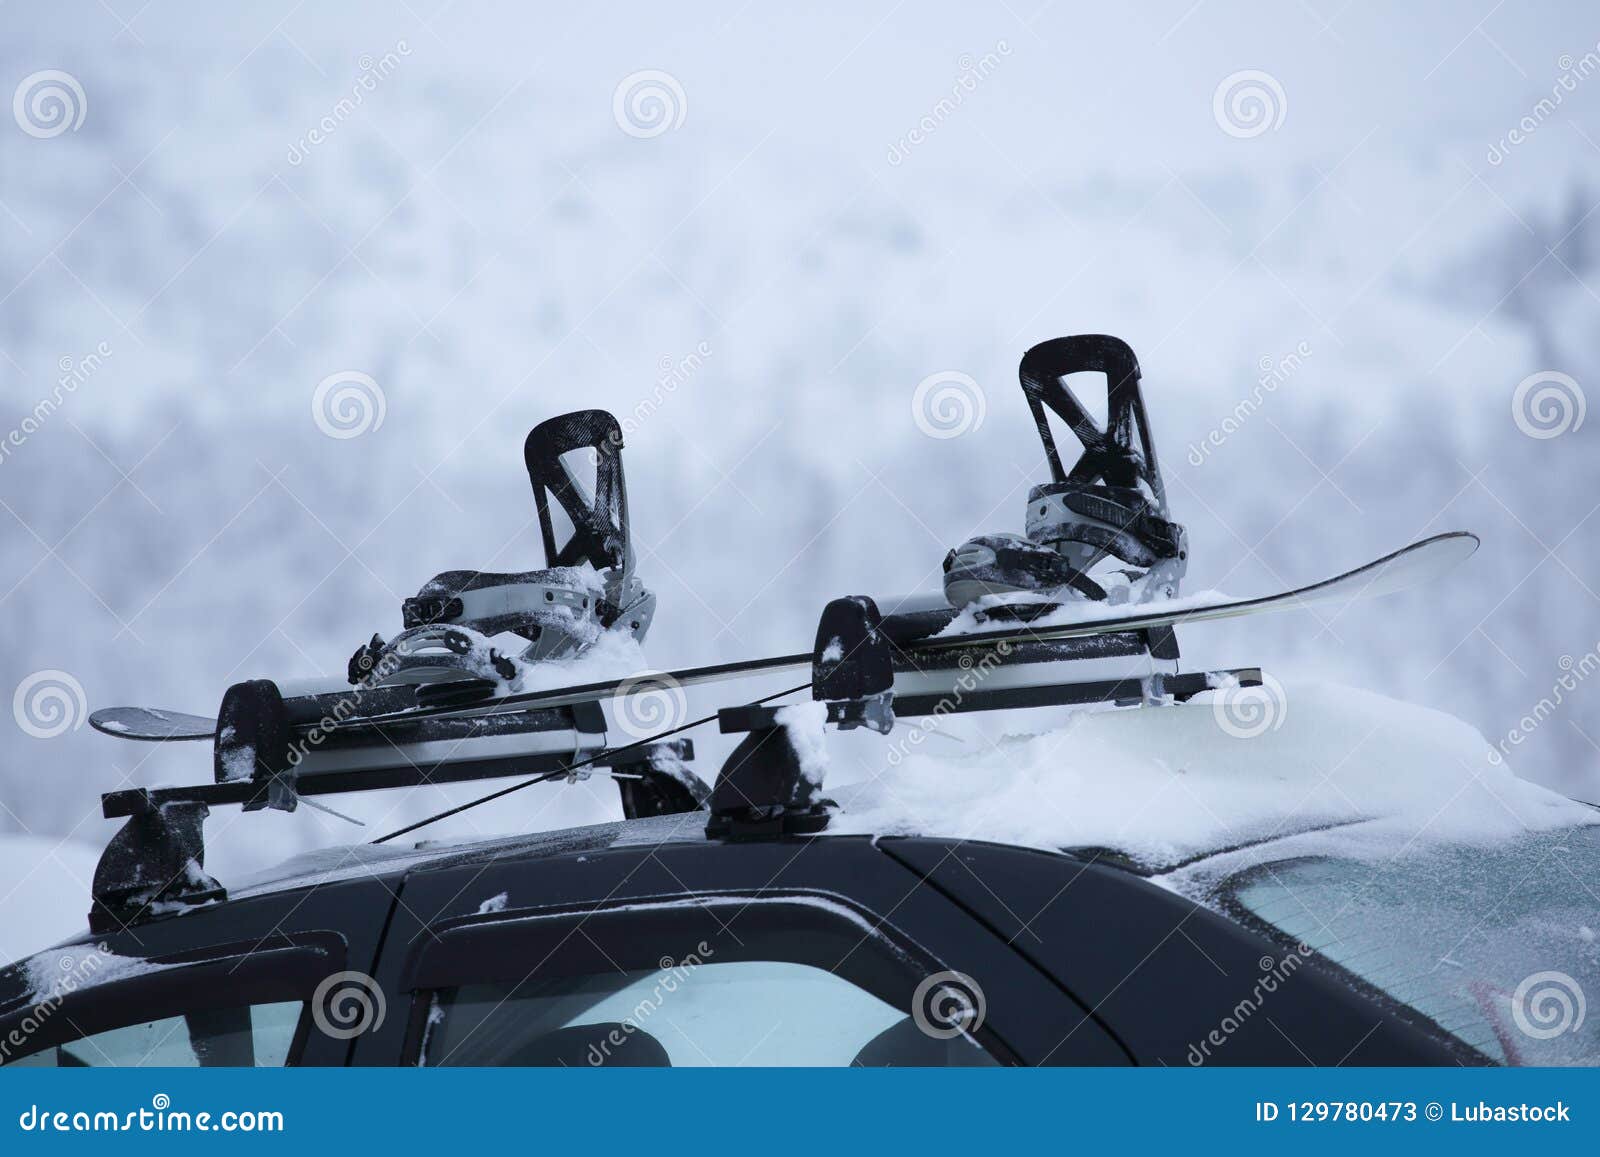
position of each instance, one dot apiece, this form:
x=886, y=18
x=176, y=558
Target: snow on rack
x=968, y=621
x=614, y=655
x=803, y=722
x=1169, y=784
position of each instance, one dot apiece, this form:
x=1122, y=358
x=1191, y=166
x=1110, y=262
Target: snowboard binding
x=1099, y=531
x=588, y=585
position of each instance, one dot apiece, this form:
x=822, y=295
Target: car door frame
x=1166, y=973
x=845, y=876
x=255, y=950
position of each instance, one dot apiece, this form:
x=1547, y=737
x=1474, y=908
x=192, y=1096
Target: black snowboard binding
x=1098, y=531
x=454, y=627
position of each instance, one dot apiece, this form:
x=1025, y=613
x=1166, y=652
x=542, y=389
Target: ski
x=1402, y=570
x=152, y=725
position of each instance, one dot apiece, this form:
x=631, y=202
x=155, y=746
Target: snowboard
x=917, y=633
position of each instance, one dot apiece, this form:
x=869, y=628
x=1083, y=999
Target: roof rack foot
x=768, y=788
x=156, y=860
x=665, y=785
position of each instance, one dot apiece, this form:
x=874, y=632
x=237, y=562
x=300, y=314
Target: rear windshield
x=1500, y=947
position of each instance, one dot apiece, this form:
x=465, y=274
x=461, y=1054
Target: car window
x=258, y=1036
x=1498, y=946
x=731, y=1014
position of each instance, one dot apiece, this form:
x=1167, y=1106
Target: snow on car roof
x=1162, y=786
x=1171, y=784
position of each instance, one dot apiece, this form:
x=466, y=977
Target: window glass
x=728, y=1014
x=1499, y=946
x=258, y=1037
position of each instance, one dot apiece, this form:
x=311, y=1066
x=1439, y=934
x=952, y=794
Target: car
x=1273, y=935
x=1196, y=868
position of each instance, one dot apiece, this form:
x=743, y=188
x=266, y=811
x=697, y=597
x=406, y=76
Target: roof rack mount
x=771, y=784
x=156, y=862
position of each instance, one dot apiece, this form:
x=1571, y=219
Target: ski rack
x=771, y=783
x=263, y=758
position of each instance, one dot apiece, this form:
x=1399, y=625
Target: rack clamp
x=771, y=783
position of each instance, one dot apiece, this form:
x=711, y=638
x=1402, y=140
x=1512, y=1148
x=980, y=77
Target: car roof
x=364, y=861
x=1332, y=772
x=1316, y=765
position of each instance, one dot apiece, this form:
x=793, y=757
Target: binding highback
x=1123, y=454
x=600, y=520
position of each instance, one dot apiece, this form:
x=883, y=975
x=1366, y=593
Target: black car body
x=586, y=946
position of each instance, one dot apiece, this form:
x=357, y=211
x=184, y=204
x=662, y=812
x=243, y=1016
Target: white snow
x=1170, y=783
x=1076, y=611
x=804, y=723
x=59, y=971
x=44, y=892
x=615, y=655
x=238, y=762
x=496, y=903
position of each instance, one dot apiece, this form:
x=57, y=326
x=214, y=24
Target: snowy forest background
x=481, y=236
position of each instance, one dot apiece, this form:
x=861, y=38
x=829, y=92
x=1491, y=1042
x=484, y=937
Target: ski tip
x=149, y=725
x=1465, y=542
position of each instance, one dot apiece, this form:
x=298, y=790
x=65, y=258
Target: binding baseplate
x=472, y=627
